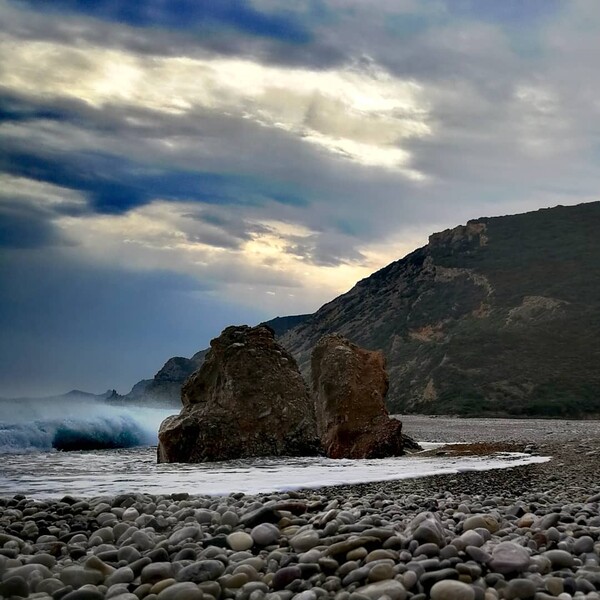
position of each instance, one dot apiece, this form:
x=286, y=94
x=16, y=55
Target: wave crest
x=95, y=427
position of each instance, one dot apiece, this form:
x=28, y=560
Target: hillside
x=501, y=316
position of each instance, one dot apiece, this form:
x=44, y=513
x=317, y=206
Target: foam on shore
x=47, y=475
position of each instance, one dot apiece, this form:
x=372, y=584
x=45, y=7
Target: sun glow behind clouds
x=359, y=112
x=262, y=261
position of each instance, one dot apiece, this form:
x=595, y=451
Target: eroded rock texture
x=349, y=388
x=247, y=399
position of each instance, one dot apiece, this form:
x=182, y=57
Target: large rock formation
x=247, y=399
x=349, y=388
x=165, y=388
x=500, y=316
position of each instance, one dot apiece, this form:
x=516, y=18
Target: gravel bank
x=527, y=532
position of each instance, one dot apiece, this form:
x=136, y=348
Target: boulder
x=349, y=388
x=247, y=399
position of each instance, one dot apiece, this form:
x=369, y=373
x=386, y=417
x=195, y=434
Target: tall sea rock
x=247, y=399
x=164, y=389
x=349, y=388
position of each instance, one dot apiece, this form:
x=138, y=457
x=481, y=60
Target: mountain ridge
x=500, y=316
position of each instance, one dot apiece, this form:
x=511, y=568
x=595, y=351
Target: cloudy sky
x=170, y=167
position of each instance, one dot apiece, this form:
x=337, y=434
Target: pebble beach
x=526, y=532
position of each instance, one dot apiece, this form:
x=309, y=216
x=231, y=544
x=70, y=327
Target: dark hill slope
x=501, y=316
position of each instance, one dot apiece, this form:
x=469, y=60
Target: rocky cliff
x=165, y=388
x=499, y=316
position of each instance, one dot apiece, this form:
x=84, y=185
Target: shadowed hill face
x=501, y=316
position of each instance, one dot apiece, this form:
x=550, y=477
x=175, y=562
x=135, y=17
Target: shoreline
x=524, y=532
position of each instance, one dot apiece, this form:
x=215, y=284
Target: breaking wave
x=76, y=425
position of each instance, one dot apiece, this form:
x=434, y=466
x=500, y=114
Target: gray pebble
x=26, y=571
x=265, y=534
x=239, y=541
x=122, y=575
x=427, y=527
x=560, y=559
x=191, y=532
x=84, y=594
x=77, y=577
x=452, y=590
x=229, y=518
x=508, y=557
x=392, y=588
x=14, y=585
x=478, y=554
x=154, y=572
x=520, y=588
x=181, y=591
x=204, y=570
x=484, y=521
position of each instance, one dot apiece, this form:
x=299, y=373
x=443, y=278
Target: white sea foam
x=109, y=472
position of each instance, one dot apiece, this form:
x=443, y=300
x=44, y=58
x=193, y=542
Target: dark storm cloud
x=23, y=226
x=15, y=109
x=288, y=36
x=115, y=185
x=110, y=178
x=227, y=229
x=238, y=15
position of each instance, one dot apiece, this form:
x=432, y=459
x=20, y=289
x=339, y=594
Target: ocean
x=31, y=464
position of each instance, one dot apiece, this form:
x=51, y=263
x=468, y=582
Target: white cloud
x=173, y=236
x=39, y=194
x=360, y=112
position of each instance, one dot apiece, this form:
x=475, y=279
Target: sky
x=171, y=167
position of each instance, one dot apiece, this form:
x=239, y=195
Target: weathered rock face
x=165, y=388
x=349, y=387
x=247, y=399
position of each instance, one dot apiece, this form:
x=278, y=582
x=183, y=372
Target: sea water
x=30, y=464
x=110, y=472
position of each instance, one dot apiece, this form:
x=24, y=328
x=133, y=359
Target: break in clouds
x=172, y=168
